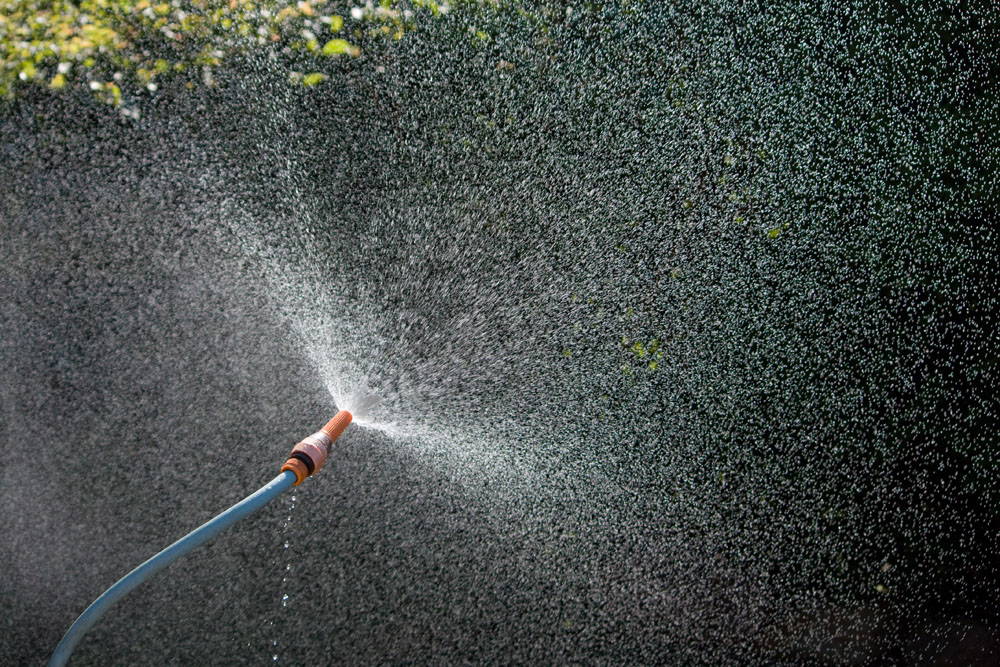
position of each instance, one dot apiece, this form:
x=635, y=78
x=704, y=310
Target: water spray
x=306, y=458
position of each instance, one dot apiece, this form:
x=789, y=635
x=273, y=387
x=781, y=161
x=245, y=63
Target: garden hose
x=306, y=458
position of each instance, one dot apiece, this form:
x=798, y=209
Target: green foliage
x=339, y=47
x=643, y=353
x=314, y=78
x=111, y=45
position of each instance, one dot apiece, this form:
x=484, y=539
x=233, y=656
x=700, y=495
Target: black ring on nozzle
x=310, y=466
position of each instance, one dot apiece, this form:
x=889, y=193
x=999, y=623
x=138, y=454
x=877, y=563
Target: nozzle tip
x=335, y=427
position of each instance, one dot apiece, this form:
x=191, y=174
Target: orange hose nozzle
x=309, y=455
x=336, y=426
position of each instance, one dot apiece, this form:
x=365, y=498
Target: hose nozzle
x=310, y=454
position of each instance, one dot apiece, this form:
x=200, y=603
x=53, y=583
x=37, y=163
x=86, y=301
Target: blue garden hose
x=186, y=544
x=306, y=458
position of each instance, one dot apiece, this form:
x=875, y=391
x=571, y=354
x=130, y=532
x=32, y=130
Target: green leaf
x=116, y=94
x=314, y=78
x=336, y=47
x=336, y=23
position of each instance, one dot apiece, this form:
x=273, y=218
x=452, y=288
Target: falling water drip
x=285, y=544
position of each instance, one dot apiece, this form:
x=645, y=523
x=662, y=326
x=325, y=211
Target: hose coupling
x=309, y=455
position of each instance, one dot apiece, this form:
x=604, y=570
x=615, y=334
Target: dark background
x=796, y=203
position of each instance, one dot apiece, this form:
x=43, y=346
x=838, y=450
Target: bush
x=108, y=45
